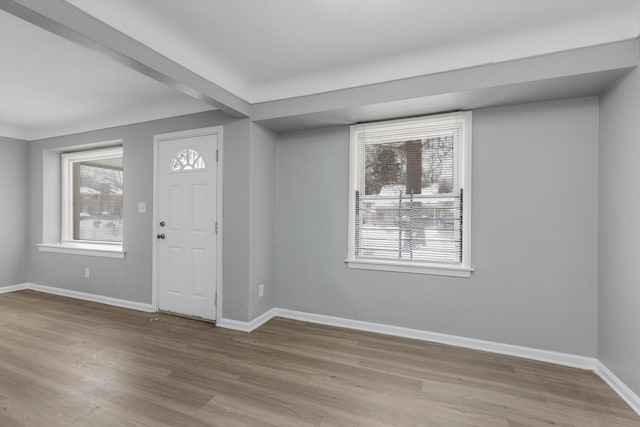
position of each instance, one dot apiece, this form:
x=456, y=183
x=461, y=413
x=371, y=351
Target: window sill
x=87, y=249
x=437, y=270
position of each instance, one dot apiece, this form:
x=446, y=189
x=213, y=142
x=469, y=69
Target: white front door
x=186, y=261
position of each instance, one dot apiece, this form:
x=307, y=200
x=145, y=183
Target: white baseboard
x=618, y=386
x=565, y=359
x=13, y=288
x=557, y=358
x=236, y=325
x=239, y=325
x=133, y=305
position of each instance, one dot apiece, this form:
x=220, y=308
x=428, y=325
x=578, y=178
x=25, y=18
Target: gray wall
x=235, y=232
x=262, y=219
x=534, y=236
x=130, y=279
x=14, y=188
x=619, y=227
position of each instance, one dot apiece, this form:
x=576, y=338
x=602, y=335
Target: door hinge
x=216, y=227
x=215, y=299
x=217, y=155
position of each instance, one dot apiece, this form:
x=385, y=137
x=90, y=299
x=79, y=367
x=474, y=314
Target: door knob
x=161, y=236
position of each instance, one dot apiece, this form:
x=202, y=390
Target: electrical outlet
x=261, y=290
x=87, y=273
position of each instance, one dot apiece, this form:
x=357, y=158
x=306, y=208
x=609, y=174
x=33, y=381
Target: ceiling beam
x=575, y=62
x=66, y=20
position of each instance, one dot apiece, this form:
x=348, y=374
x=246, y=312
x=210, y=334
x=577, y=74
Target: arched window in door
x=187, y=160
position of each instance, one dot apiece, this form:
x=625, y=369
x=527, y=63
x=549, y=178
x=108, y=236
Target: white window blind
x=408, y=191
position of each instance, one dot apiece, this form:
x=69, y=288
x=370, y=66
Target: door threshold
x=188, y=316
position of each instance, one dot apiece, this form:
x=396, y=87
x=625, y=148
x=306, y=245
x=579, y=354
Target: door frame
x=157, y=140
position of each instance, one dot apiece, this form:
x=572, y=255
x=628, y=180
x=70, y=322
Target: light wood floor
x=65, y=362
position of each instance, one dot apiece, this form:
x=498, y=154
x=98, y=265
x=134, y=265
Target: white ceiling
x=50, y=86
x=272, y=49
x=264, y=50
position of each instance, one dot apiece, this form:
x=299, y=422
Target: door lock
x=161, y=236
x=162, y=223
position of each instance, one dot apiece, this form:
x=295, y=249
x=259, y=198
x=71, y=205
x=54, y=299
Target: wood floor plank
x=65, y=362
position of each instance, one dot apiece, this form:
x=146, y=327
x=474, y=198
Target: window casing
x=409, y=198
x=92, y=198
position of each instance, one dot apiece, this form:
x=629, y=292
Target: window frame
x=462, y=269
x=66, y=201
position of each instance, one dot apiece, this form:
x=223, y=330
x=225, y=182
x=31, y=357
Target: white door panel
x=186, y=253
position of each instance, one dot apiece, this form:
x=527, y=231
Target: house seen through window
x=408, y=198
x=93, y=192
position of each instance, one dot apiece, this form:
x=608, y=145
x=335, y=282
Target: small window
x=92, y=196
x=186, y=160
x=409, y=201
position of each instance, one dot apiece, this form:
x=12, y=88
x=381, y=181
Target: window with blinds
x=408, y=202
